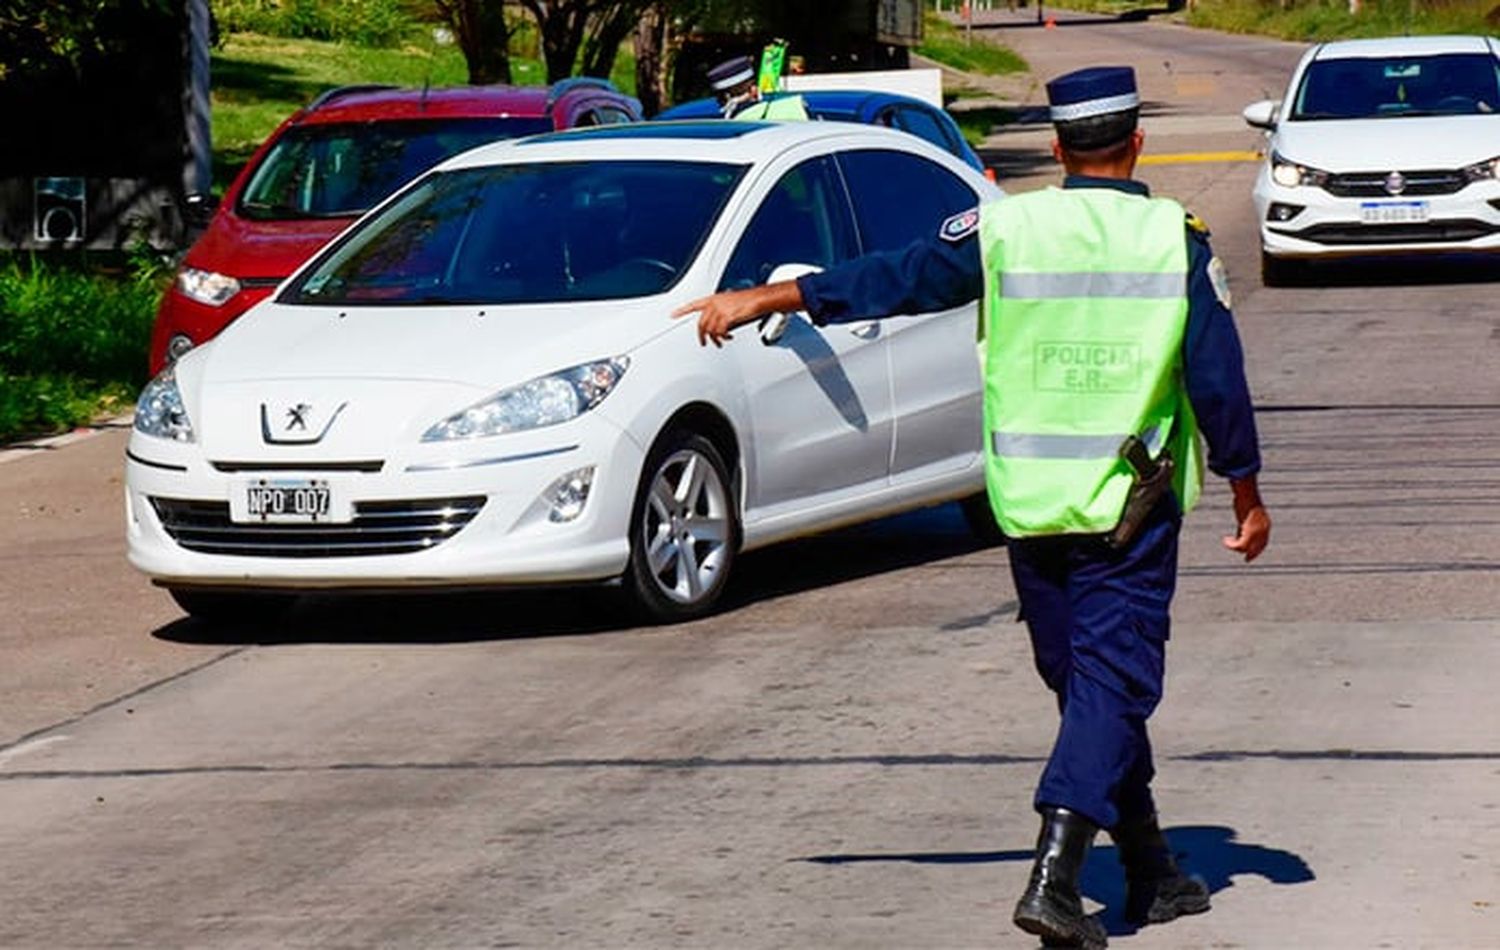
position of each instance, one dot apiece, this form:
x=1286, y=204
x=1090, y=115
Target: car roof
x=712, y=140
x=363, y=103
x=1404, y=46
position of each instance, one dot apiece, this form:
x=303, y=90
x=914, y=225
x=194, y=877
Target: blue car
x=872, y=108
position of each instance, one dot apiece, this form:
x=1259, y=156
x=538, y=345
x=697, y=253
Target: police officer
x=1107, y=324
x=737, y=89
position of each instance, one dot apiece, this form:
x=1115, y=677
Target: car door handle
x=868, y=330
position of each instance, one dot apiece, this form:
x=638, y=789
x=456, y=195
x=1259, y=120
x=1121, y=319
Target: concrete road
x=844, y=757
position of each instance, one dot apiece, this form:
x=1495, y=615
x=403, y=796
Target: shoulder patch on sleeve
x=960, y=226
x=1218, y=278
x=1197, y=225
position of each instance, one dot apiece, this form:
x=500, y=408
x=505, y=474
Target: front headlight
x=1290, y=174
x=1483, y=171
x=544, y=401
x=159, y=410
x=207, y=287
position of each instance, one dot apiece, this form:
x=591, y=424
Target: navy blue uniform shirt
x=941, y=273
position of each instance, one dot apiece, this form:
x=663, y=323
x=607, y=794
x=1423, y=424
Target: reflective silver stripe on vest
x=1053, y=286
x=1037, y=445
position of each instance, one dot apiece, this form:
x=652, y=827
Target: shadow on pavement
x=1411, y=271
x=1211, y=852
x=417, y=617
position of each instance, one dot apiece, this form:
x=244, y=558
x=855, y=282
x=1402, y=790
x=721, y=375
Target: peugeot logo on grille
x=297, y=416
x=1395, y=183
x=302, y=423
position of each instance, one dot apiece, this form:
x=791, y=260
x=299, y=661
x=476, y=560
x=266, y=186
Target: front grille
x=1432, y=232
x=379, y=527
x=1417, y=184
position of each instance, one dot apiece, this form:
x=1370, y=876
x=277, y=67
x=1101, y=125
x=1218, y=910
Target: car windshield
x=1385, y=87
x=343, y=170
x=527, y=233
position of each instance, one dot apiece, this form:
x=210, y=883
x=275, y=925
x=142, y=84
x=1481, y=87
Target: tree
x=483, y=35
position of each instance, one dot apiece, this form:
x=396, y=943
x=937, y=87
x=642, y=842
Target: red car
x=332, y=161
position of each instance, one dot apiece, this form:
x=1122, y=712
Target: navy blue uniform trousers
x=1098, y=620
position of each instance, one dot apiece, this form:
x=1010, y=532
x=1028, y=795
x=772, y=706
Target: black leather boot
x=1156, y=889
x=1052, y=908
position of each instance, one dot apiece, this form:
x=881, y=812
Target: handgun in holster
x=1151, y=478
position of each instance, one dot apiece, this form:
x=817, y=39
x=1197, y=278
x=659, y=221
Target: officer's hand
x=721, y=313
x=1254, y=523
x=1253, y=535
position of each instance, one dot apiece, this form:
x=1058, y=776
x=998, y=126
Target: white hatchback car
x=1386, y=146
x=479, y=383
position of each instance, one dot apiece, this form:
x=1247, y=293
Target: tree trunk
x=608, y=30
x=561, y=24
x=651, y=41
x=483, y=36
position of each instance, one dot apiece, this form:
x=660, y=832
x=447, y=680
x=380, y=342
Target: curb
x=32, y=448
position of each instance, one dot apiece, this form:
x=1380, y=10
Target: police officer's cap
x=731, y=73
x=1094, y=108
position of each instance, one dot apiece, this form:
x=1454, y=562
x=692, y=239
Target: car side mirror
x=199, y=208
x=773, y=326
x=1262, y=114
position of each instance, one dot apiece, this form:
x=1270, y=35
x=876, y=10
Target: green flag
x=772, y=61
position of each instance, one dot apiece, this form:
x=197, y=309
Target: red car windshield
x=343, y=170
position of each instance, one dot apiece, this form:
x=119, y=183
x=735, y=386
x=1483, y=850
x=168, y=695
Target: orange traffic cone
x=1051, y=23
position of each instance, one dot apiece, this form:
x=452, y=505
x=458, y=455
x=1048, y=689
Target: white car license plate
x=1392, y=212
x=288, y=501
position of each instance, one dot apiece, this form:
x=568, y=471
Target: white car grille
x=1378, y=184
x=379, y=527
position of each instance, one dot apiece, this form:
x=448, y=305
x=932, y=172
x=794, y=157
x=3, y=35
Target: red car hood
x=267, y=249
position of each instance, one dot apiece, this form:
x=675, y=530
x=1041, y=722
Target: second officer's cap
x=1095, y=107
x=731, y=73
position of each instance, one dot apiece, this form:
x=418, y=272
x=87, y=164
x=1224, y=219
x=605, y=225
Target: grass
x=947, y=44
x=1315, y=20
x=1331, y=19
x=72, y=341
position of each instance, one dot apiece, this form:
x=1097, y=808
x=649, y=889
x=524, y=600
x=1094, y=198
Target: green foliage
x=380, y=23
x=73, y=341
x=948, y=44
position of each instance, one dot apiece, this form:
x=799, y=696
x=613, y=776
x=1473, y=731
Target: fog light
x=177, y=346
x=1283, y=212
x=567, y=496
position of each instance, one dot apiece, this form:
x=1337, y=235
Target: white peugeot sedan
x=1386, y=146
x=480, y=383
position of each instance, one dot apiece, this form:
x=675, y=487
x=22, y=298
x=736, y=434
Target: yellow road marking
x=1187, y=157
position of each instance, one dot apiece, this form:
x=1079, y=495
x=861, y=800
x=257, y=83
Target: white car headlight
x=544, y=401
x=1290, y=174
x=159, y=410
x=207, y=287
x=1483, y=171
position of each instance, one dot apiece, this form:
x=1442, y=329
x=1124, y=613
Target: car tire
x=1280, y=271
x=684, y=530
x=980, y=518
x=231, y=607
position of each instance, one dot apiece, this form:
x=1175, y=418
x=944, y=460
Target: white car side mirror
x=1262, y=114
x=774, y=325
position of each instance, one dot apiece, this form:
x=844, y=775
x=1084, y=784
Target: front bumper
x=1329, y=225
x=510, y=540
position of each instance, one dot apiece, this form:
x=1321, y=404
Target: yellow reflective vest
x=1085, y=308
x=775, y=109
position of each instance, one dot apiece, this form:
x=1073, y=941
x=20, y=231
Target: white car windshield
x=527, y=233
x=1395, y=86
